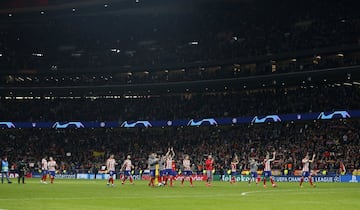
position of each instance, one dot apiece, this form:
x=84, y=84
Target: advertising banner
x=92, y=176
x=258, y=119
x=350, y=178
x=242, y=178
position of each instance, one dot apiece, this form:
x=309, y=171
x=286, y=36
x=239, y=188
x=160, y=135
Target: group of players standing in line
x=166, y=167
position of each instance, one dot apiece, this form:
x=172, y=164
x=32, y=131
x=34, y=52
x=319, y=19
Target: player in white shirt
x=267, y=169
x=187, y=170
x=306, y=169
x=253, y=165
x=110, y=165
x=44, y=169
x=127, y=167
x=52, y=168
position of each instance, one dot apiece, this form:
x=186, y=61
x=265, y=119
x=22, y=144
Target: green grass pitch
x=91, y=194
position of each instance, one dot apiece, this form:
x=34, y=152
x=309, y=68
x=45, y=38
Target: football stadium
x=179, y=104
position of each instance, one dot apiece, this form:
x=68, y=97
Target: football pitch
x=91, y=194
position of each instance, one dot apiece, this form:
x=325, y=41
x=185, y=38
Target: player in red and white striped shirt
x=110, y=165
x=306, y=169
x=52, y=168
x=169, y=173
x=127, y=165
x=233, y=164
x=187, y=170
x=44, y=169
x=267, y=169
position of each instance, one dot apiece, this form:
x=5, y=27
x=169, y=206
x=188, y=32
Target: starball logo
x=68, y=125
x=268, y=118
x=7, y=124
x=336, y=114
x=145, y=124
x=207, y=121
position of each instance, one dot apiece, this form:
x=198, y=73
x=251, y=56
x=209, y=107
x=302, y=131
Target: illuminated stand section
x=188, y=122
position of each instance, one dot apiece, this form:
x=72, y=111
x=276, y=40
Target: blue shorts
x=305, y=174
x=127, y=173
x=234, y=173
x=267, y=173
x=52, y=173
x=169, y=172
x=254, y=174
x=162, y=172
x=44, y=172
x=111, y=173
x=152, y=173
x=187, y=173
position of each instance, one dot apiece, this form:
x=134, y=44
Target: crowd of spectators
x=308, y=64
x=172, y=106
x=199, y=31
x=83, y=149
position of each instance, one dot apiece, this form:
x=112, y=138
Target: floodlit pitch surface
x=84, y=194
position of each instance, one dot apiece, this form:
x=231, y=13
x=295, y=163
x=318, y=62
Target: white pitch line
x=298, y=191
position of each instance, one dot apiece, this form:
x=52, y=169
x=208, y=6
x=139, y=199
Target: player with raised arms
x=44, y=169
x=110, y=166
x=169, y=172
x=52, y=168
x=187, y=173
x=254, y=176
x=127, y=167
x=306, y=169
x=267, y=169
x=233, y=165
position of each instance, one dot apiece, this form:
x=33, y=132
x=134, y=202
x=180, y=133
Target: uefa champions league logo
x=343, y=114
x=68, y=125
x=272, y=118
x=7, y=124
x=208, y=121
x=145, y=124
x=353, y=179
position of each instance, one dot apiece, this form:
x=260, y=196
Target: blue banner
x=350, y=178
x=258, y=119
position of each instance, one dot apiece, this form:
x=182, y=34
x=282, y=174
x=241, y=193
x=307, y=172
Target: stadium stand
x=191, y=59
